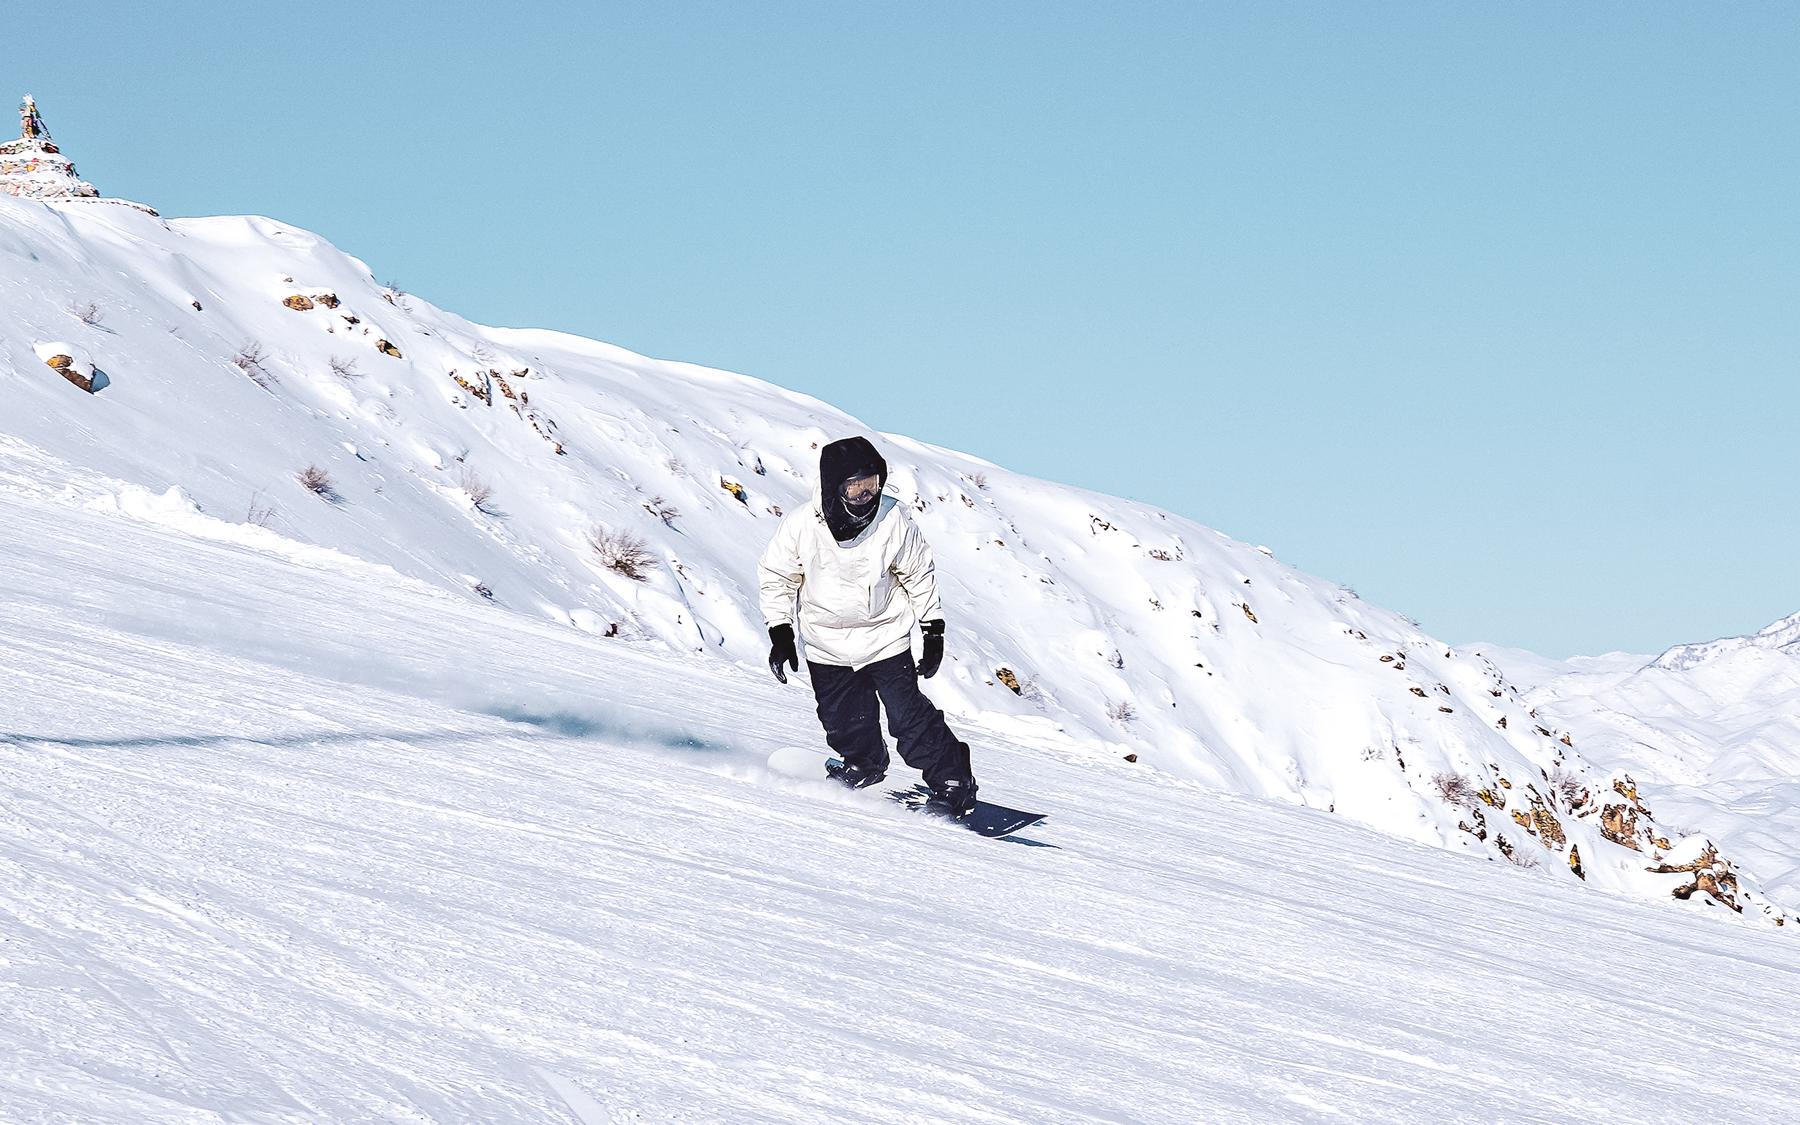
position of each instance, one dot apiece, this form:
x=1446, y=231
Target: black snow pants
x=847, y=708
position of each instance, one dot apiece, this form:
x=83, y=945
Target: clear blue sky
x=1490, y=310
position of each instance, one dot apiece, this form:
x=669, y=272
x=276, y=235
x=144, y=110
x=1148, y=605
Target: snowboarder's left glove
x=934, y=648
x=781, y=651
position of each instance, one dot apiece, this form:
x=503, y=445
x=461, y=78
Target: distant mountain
x=1527, y=669
x=1783, y=636
x=249, y=372
x=1712, y=731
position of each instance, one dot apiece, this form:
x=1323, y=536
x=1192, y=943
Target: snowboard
x=987, y=819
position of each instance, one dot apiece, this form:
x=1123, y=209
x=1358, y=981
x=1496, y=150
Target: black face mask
x=847, y=511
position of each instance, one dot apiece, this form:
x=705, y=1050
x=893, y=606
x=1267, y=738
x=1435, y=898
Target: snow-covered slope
x=292, y=838
x=234, y=355
x=1526, y=670
x=1713, y=732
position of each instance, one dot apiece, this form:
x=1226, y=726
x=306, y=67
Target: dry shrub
x=260, y=513
x=622, y=552
x=344, y=368
x=479, y=492
x=249, y=360
x=1122, y=711
x=1568, y=788
x=317, y=481
x=663, y=510
x=1454, y=788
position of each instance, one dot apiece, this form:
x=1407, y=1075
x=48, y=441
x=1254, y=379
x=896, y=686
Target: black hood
x=841, y=461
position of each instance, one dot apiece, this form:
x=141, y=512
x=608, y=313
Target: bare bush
x=482, y=355
x=677, y=466
x=261, y=513
x=87, y=312
x=1122, y=711
x=979, y=480
x=249, y=360
x=622, y=552
x=1454, y=788
x=317, y=481
x=663, y=510
x=1568, y=788
x=1518, y=857
x=344, y=367
x=479, y=492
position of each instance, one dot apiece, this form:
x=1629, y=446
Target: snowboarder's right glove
x=934, y=648
x=781, y=651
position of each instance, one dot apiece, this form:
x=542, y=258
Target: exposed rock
x=298, y=302
x=1618, y=823
x=1548, y=828
x=480, y=392
x=1479, y=828
x=329, y=300
x=71, y=362
x=65, y=366
x=1006, y=676
x=386, y=348
x=1712, y=874
x=1575, y=863
x=1245, y=606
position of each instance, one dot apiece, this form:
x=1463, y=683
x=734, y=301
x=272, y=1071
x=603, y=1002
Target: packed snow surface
x=293, y=837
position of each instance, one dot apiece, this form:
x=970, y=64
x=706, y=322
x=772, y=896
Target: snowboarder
x=860, y=574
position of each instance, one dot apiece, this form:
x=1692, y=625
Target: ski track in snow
x=292, y=842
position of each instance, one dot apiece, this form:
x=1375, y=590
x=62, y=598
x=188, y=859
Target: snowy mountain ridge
x=1782, y=636
x=292, y=402
x=1712, y=730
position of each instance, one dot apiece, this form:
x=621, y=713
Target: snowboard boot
x=853, y=777
x=954, y=799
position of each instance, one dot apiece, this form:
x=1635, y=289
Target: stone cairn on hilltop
x=33, y=167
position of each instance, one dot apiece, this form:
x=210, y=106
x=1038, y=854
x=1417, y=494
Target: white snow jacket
x=857, y=600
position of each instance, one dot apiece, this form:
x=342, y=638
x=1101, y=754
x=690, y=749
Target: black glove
x=934, y=648
x=781, y=651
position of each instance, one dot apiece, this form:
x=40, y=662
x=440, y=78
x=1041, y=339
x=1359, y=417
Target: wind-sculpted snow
x=270, y=380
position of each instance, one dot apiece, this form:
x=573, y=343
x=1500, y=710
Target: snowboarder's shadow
x=995, y=822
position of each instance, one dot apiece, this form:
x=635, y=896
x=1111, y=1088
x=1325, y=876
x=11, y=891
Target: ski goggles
x=860, y=491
